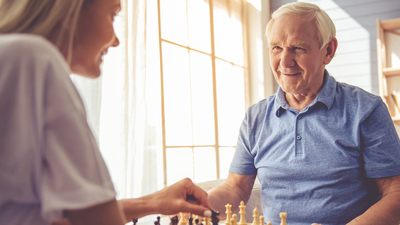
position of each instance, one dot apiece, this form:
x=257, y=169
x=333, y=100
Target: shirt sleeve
x=243, y=160
x=380, y=144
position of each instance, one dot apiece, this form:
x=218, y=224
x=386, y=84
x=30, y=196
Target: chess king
x=324, y=151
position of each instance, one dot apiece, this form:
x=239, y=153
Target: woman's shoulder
x=24, y=41
x=29, y=49
x=27, y=46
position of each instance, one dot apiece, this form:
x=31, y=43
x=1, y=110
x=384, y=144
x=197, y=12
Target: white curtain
x=123, y=104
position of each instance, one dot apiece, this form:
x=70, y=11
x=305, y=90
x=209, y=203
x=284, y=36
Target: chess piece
x=261, y=220
x=134, y=221
x=190, y=219
x=174, y=220
x=198, y=219
x=183, y=220
x=207, y=220
x=234, y=219
x=269, y=223
x=214, y=217
x=283, y=215
x=228, y=214
x=242, y=212
x=158, y=220
x=255, y=216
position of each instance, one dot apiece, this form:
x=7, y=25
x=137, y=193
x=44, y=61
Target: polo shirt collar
x=326, y=95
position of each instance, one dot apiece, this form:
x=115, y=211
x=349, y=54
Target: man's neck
x=300, y=101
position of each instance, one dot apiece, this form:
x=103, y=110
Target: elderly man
x=325, y=152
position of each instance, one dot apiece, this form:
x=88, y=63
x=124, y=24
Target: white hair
x=325, y=26
x=55, y=20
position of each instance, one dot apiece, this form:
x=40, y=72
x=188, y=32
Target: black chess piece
x=214, y=217
x=174, y=220
x=134, y=221
x=190, y=219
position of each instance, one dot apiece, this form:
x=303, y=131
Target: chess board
x=231, y=219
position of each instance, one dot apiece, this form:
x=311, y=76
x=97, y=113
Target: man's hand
x=236, y=188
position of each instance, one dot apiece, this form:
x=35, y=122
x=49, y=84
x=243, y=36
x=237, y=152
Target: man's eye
x=298, y=49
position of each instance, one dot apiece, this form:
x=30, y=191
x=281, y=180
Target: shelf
x=392, y=24
x=391, y=72
x=396, y=120
x=385, y=89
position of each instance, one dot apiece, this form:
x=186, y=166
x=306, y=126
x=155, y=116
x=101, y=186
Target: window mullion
x=164, y=148
x=214, y=75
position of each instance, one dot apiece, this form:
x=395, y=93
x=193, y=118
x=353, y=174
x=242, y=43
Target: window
x=203, y=85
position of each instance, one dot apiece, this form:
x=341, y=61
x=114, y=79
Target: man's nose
x=287, y=59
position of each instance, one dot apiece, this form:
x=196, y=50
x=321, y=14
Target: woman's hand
x=183, y=196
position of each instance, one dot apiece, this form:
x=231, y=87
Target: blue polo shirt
x=316, y=164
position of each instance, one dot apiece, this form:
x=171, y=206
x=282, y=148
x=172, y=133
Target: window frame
x=214, y=58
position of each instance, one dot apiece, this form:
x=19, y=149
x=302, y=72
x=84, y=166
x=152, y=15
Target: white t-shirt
x=49, y=160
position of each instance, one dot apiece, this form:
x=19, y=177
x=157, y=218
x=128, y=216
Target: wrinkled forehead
x=289, y=28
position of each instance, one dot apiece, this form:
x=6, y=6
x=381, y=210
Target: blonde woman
x=50, y=165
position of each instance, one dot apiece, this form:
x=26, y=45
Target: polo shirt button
x=300, y=116
x=298, y=137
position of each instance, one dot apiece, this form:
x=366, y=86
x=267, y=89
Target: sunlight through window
x=203, y=72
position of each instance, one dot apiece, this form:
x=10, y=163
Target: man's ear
x=330, y=50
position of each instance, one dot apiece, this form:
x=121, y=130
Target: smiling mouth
x=290, y=74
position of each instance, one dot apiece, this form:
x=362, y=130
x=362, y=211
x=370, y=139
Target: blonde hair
x=325, y=26
x=55, y=20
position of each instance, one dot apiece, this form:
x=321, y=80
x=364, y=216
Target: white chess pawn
x=262, y=220
x=283, y=215
x=234, y=219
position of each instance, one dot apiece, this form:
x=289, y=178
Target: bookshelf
x=388, y=49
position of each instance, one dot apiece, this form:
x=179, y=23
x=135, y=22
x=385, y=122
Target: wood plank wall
x=355, y=20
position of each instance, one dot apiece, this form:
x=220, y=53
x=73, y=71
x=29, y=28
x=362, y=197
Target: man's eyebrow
x=301, y=44
x=273, y=44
